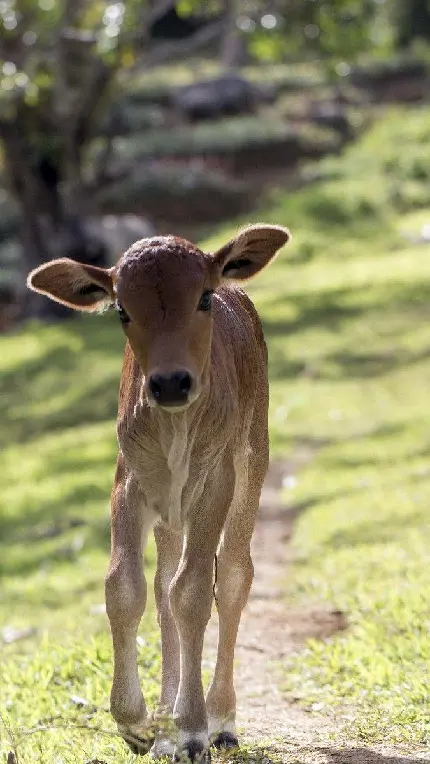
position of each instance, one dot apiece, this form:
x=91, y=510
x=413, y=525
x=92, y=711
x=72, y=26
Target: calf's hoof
x=193, y=751
x=138, y=740
x=225, y=741
x=162, y=747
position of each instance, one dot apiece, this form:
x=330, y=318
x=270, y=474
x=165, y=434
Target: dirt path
x=269, y=632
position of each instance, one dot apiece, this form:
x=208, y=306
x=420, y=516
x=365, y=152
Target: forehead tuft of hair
x=147, y=251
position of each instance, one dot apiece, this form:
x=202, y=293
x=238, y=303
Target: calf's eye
x=205, y=300
x=123, y=316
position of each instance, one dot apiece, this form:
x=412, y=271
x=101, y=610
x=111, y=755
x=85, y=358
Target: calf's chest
x=171, y=466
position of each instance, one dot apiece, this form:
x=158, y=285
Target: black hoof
x=193, y=751
x=225, y=740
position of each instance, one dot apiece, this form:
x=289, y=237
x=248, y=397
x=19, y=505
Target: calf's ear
x=79, y=286
x=250, y=251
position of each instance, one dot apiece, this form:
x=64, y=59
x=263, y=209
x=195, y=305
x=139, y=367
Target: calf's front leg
x=169, y=550
x=191, y=596
x=125, y=589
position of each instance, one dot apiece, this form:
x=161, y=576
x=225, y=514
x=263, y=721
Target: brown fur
x=195, y=473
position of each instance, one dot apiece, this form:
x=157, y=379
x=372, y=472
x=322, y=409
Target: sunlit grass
x=144, y=85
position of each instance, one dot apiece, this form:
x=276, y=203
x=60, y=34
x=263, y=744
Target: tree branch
x=26, y=190
x=157, y=11
x=168, y=51
x=101, y=164
x=95, y=88
x=94, y=91
x=71, y=11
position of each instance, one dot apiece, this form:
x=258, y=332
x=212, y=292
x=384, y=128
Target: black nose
x=170, y=389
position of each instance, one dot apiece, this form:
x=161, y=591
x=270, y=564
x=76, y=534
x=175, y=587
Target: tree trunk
x=233, y=49
x=51, y=227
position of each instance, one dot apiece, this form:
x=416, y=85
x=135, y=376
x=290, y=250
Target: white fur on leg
x=162, y=747
x=217, y=725
x=166, y=735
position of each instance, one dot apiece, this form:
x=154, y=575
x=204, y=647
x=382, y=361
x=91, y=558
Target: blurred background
x=119, y=120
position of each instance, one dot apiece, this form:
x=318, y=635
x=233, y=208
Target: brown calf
x=193, y=454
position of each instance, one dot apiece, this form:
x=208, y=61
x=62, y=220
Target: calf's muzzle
x=170, y=390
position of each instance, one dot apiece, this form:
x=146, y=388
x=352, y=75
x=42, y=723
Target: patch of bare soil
x=269, y=632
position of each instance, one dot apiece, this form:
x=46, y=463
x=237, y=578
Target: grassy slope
x=346, y=312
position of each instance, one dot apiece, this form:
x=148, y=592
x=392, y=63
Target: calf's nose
x=170, y=389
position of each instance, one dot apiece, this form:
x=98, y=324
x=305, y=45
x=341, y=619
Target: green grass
x=231, y=135
x=355, y=349
x=147, y=87
x=346, y=311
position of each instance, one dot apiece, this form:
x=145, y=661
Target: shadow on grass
x=357, y=755
x=368, y=756
x=52, y=536
x=70, y=380
x=273, y=754
x=330, y=311
x=49, y=513
x=67, y=384
x=97, y=404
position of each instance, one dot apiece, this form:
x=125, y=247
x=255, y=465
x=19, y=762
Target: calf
x=193, y=454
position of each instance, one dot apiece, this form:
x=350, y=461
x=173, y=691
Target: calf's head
x=162, y=289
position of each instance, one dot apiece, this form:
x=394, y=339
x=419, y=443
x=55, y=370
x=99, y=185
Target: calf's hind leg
x=125, y=589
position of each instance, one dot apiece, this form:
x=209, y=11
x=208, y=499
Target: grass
x=233, y=134
x=346, y=312
x=158, y=85
x=357, y=358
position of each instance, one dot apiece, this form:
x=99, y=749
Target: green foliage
x=338, y=31
x=189, y=7
x=30, y=69
x=110, y=31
